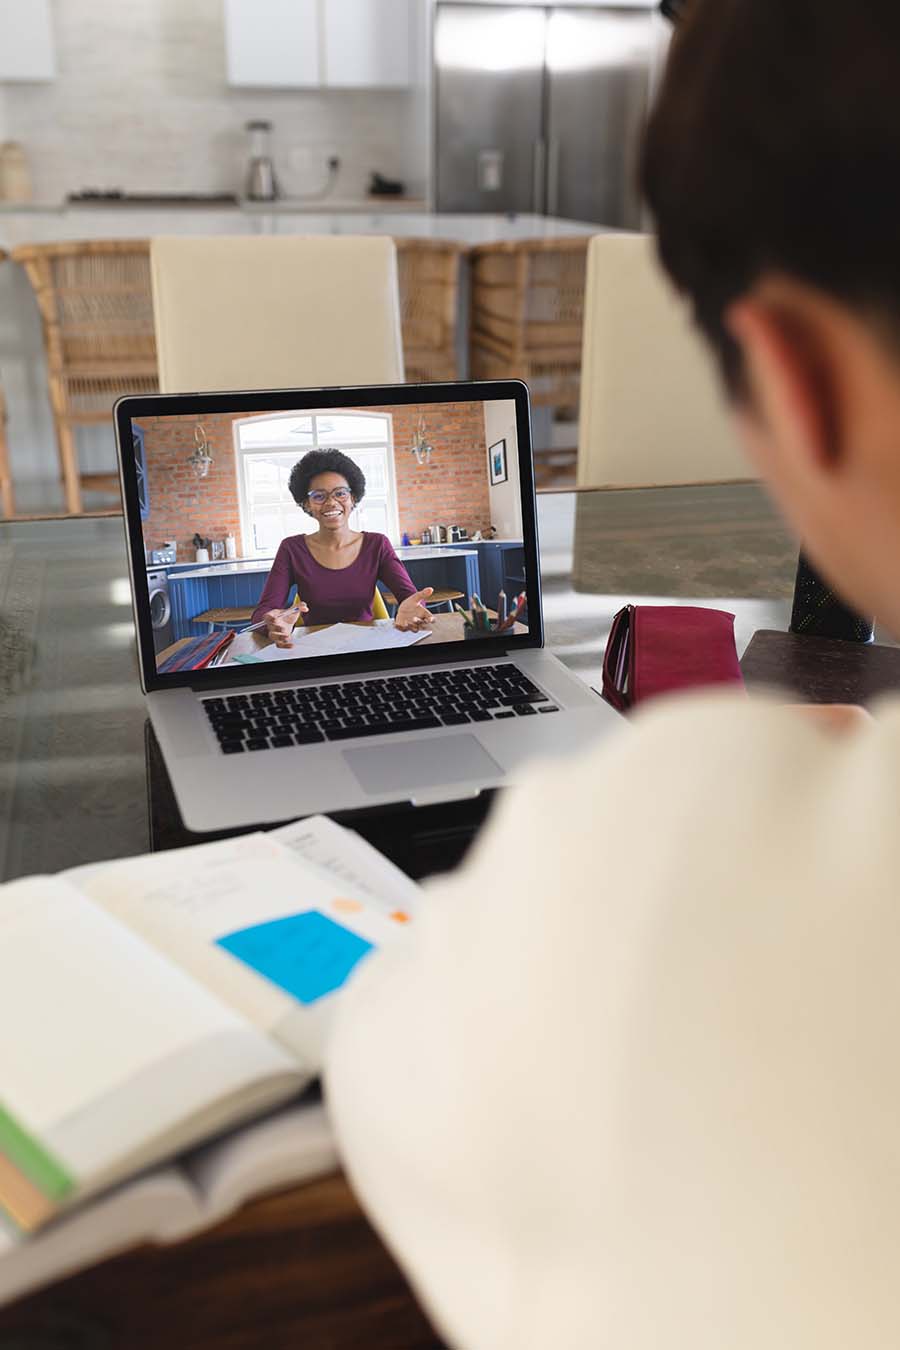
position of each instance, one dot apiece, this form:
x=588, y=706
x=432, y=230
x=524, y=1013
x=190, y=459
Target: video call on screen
x=273, y=536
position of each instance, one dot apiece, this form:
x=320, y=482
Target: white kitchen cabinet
x=367, y=44
x=274, y=44
x=27, y=50
x=333, y=44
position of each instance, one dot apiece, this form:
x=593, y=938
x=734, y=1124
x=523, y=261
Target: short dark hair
x=315, y=462
x=774, y=146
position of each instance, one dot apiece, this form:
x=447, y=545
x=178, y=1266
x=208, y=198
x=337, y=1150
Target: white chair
x=652, y=410
x=265, y=313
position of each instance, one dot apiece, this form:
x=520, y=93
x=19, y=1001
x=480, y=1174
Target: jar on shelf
x=15, y=175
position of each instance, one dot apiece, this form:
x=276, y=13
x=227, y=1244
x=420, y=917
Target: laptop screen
x=276, y=535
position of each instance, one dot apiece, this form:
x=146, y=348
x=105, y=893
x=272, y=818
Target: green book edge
x=32, y=1159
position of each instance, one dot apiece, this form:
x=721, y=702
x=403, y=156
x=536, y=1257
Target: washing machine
x=160, y=608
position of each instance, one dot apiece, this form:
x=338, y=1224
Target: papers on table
x=339, y=639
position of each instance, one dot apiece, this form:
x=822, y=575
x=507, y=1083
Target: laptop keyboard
x=273, y=719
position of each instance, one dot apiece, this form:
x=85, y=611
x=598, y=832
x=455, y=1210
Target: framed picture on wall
x=497, y=460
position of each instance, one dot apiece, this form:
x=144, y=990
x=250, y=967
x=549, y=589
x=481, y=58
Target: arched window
x=267, y=448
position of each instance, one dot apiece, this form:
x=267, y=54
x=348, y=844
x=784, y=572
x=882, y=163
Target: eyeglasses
x=340, y=494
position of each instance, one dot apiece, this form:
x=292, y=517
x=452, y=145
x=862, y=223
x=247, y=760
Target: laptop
x=291, y=528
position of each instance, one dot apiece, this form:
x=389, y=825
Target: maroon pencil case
x=659, y=649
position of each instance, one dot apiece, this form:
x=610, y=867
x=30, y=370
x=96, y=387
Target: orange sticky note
x=347, y=906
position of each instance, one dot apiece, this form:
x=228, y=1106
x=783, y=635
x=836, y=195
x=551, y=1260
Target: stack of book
x=169, y=1015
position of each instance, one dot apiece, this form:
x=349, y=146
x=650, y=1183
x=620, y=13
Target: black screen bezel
x=274, y=400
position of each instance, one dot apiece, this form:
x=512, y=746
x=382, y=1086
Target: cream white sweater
x=634, y=1083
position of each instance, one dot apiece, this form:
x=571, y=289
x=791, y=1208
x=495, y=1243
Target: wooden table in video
x=444, y=628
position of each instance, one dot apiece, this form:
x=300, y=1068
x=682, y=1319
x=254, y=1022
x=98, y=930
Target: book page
x=91, y=1014
x=291, y=1145
x=271, y=935
x=347, y=858
x=144, y=1210
x=84, y=1003
x=288, y=1146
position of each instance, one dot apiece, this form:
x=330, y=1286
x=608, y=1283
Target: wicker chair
x=527, y=311
x=428, y=273
x=526, y=321
x=7, y=497
x=97, y=313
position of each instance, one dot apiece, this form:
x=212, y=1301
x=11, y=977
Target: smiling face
x=330, y=501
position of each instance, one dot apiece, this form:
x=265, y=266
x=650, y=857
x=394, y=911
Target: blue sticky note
x=307, y=955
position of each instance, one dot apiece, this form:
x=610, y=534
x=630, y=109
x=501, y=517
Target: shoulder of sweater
x=704, y=768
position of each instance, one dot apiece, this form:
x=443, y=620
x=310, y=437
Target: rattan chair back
x=97, y=313
x=527, y=315
x=428, y=276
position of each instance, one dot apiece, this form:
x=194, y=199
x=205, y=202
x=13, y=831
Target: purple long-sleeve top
x=342, y=595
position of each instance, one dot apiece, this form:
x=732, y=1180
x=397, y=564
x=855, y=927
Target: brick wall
x=452, y=489
x=182, y=505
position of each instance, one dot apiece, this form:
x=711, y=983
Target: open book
x=152, y=1003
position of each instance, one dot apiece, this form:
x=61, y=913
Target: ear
x=792, y=389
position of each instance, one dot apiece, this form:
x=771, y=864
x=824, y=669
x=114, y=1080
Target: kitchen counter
x=192, y=566
x=217, y=569
x=36, y=226
x=354, y=205
x=291, y=205
x=422, y=551
x=235, y=566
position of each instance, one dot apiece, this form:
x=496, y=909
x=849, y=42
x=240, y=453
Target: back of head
x=774, y=148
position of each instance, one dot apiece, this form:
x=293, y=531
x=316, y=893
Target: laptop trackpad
x=418, y=764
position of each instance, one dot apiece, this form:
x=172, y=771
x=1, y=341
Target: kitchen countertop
x=34, y=226
x=217, y=563
x=219, y=569
x=440, y=551
x=295, y=205
x=361, y=205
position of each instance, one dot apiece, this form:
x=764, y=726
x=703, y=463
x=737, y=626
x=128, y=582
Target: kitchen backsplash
x=141, y=104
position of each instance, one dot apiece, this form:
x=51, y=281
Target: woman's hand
x=280, y=622
x=411, y=613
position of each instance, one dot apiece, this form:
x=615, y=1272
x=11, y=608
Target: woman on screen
x=335, y=569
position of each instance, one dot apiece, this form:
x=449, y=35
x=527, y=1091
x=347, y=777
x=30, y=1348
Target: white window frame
x=241, y=452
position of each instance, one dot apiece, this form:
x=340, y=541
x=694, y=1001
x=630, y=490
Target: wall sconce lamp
x=420, y=447
x=200, y=458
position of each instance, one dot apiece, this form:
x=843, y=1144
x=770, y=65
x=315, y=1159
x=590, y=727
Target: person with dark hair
x=335, y=569
x=629, y=1081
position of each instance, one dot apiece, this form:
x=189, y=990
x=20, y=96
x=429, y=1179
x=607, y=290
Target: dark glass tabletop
x=74, y=778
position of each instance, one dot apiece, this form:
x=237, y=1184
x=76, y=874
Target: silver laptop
x=344, y=604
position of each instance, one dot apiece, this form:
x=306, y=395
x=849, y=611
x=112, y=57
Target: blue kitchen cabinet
x=452, y=570
x=192, y=593
x=501, y=567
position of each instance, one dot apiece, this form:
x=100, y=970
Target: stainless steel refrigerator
x=540, y=109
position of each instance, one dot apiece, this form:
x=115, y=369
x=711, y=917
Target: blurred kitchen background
x=481, y=123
